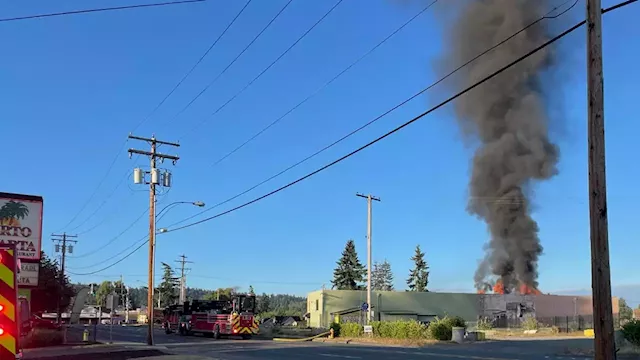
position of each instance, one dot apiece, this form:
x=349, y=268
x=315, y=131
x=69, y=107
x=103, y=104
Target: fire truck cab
x=215, y=318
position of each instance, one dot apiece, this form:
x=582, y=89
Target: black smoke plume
x=509, y=118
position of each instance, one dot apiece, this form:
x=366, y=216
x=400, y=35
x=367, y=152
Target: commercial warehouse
x=327, y=306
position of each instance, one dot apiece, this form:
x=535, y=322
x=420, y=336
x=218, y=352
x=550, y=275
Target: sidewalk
x=95, y=352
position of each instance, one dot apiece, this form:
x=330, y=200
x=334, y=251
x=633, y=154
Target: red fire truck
x=214, y=318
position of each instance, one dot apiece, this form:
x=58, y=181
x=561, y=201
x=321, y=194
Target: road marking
x=459, y=356
x=341, y=356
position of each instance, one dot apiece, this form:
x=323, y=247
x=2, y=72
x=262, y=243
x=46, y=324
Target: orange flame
x=525, y=290
x=498, y=288
x=482, y=291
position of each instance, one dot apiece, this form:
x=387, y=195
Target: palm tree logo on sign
x=12, y=212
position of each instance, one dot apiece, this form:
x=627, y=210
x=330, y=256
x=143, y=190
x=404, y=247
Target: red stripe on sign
x=6, y=354
x=9, y=327
x=9, y=293
x=7, y=259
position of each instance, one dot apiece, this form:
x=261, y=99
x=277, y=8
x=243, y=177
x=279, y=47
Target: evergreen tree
x=349, y=274
x=251, y=292
x=625, y=312
x=419, y=276
x=263, y=303
x=169, y=287
x=381, y=276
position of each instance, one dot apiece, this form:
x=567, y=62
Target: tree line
x=350, y=273
x=168, y=293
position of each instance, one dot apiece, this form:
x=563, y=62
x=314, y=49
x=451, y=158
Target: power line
x=220, y=278
x=146, y=238
x=115, y=263
x=146, y=118
x=232, y=62
x=114, y=239
x=99, y=10
x=309, y=97
x=362, y=127
x=104, y=202
x=450, y=99
x=215, y=42
x=266, y=69
x=96, y=251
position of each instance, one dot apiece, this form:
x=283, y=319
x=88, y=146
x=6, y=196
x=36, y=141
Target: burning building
x=508, y=117
x=499, y=288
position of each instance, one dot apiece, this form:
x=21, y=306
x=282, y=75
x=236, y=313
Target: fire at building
x=499, y=288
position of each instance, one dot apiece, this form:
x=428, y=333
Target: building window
x=317, y=305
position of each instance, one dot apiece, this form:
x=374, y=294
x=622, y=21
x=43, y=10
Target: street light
x=156, y=217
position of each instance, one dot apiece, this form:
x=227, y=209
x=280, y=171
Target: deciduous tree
x=50, y=287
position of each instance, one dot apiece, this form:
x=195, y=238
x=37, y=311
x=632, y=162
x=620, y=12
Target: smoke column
x=508, y=116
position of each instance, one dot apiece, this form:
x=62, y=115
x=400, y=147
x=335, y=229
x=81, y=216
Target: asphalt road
x=237, y=349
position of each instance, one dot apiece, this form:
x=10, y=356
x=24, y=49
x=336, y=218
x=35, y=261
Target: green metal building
x=327, y=306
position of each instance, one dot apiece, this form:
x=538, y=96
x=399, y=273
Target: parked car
x=39, y=323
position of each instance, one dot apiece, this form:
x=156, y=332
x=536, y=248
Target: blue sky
x=73, y=88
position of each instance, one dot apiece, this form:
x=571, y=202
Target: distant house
x=292, y=321
x=636, y=314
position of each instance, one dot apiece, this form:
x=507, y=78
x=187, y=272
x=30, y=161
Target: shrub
x=336, y=329
x=454, y=321
x=43, y=338
x=530, y=323
x=351, y=330
x=484, y=324
x=441, y=329
x=401, y=329
x=631, y=332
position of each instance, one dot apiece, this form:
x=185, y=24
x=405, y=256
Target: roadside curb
x=50, y=352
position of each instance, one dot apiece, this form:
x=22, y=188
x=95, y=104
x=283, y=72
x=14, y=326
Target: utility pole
x=155, y=178
x=183, y=278
x=124, y=294
x=62, y=247
x=370, y=198
x=598, y=218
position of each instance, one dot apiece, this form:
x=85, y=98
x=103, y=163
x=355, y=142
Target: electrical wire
x=164, y=99
x=232, y=62
x=309, y=97
x=115, y=263
x=362, y=127
x=126, y=176
x=215, y=42
x=123, y=251
x=104, y=219
x=97, y=251
x=265, y=70
x=445, y=102
x=448, y=100
x=99, y=10
x=253, y=281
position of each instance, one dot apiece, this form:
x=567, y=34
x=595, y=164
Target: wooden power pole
x=370, y=198
x=155, y=179
x=62, y=247
x=600, y=270
x=183, y=277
